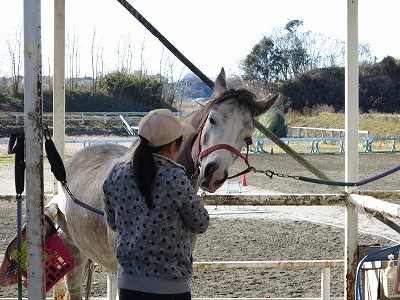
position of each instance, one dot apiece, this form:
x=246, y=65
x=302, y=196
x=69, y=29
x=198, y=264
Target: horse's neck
x=128, y=155
x=185, y=158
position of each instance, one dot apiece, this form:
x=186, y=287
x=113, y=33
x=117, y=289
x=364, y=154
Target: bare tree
x=125, y=54
x=94, y=67
x=365, y=54
x=14, y=45
x=72, y=62
x=172, y=90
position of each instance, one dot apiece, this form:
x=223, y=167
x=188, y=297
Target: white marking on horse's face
x=226, y=124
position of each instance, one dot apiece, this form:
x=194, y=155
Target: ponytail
x=144, y=168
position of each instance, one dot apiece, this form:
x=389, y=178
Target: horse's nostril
x=209, y=170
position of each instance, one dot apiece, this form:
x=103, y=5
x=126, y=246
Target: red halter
x=200, y=154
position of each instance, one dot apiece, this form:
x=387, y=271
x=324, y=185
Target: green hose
x=327, y=182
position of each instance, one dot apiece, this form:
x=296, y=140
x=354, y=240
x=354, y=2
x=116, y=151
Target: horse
x=223, y=125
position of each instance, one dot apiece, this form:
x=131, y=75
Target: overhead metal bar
x=166, y=43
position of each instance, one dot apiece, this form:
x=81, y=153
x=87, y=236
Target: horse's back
x=86, y=172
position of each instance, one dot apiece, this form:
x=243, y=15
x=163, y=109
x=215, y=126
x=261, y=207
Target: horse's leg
x=74, y=279
x=193, y=240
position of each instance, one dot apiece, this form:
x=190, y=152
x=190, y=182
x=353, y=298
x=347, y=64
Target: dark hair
x=144, y=167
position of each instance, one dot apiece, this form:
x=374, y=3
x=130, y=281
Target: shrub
x=274, y=120
x=143, y=90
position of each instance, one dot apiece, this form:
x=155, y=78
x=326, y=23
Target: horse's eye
x=212, y=121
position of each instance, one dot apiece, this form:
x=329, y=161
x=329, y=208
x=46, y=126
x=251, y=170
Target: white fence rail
x=82, y=117
x=315, y=143
x=363, y=204
x=299, y=131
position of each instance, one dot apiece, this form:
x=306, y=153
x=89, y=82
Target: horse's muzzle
x=211, y=179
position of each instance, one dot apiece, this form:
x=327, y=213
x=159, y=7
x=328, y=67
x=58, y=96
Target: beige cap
x=161, y=127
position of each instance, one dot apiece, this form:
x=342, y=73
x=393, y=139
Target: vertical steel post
x=59, y=290
x=351, y=144
x=325, y=283
x=59, y=80
x=33, y=112
x=112, y=289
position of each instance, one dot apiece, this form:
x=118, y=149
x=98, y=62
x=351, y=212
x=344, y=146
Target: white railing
x=81, y=117
x=297, y=131
x=362, y=203
x=315, y=142
x=325, y=266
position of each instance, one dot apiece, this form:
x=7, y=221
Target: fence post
x=112, y=289
x=325, y=283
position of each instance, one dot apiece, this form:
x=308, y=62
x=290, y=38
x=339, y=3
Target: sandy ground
x=263, y=233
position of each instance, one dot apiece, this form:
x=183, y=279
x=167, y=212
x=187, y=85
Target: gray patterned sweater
x=153, y=247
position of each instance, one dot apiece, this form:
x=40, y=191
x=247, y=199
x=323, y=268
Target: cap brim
x=187, y=129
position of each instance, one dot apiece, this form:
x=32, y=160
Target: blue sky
x=211, y=33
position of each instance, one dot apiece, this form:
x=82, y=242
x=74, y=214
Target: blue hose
x=378, y=255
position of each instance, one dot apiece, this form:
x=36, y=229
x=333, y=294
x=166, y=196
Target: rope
x=270, y=174
x=58, y=169
x=16, y=146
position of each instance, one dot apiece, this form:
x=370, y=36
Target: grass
x=376, y=124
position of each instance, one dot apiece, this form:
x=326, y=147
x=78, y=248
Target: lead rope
x=270, y=174
x=58, y=169
x=16, y=146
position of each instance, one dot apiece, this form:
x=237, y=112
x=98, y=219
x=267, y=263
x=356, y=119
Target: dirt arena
x=274, y=234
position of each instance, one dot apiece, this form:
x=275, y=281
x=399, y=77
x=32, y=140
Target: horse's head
x=226, y=124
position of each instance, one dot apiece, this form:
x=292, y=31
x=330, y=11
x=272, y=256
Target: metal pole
x=351, y=144
x=166, y=43
x=59, y=80
x=112, y=289
x=293, y=153
x=59, y=290
x=325, y=283
x=33, y=111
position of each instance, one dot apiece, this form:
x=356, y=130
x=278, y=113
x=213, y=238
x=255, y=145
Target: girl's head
x=161, y=127
x=161, y=133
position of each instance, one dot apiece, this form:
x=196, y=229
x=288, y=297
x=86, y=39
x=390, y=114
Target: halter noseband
x=200, y=154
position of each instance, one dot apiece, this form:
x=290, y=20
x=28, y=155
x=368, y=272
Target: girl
x=152, y=206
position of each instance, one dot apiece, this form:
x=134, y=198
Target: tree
x=288, y=52
x=73, y=62
x=259, y=64
x=97, y=57
x=278, y=57
x=15, y=53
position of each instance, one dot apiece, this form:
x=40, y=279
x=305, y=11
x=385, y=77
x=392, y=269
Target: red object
x=244, y=180
x=58, y=261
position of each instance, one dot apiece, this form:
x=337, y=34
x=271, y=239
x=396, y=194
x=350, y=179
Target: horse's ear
x=220, y=84
x=263, y=105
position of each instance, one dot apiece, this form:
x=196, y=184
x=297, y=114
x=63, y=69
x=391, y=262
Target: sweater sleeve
x=109, y=203
x=194, y=214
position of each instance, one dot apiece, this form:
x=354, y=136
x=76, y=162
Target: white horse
x=224, y=124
